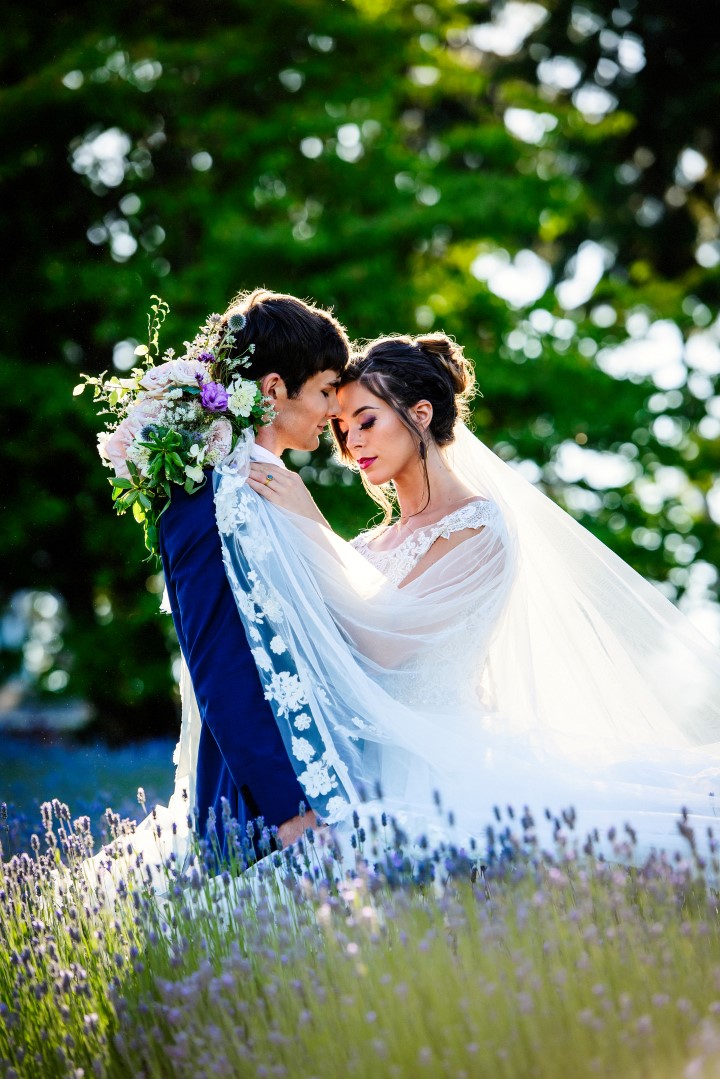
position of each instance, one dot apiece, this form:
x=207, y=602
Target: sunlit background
x=540, y=180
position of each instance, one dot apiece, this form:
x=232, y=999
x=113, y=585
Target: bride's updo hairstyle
x=402, y=371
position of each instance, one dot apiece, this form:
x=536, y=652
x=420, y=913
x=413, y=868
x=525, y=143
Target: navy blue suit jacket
x=241, y=755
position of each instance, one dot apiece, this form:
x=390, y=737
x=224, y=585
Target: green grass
x=544, y=964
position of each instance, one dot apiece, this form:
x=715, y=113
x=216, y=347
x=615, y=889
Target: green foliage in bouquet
x=171, y=420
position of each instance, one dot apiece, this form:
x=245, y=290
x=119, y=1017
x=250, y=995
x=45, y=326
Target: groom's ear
x=273, y=386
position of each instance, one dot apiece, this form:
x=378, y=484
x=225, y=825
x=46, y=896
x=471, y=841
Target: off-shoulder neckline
x=368, y=537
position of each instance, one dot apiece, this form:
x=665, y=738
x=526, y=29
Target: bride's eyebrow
x=341, y=419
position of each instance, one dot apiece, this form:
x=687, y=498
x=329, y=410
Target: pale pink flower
x=218, y=442
x=102, y=439
x=115, y=448
x=172, y=373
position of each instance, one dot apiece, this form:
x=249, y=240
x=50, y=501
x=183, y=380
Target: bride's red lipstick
x=365, y=462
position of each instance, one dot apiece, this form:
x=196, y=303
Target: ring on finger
x=268, y=478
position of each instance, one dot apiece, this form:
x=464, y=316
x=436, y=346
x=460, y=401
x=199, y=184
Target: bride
x=482, y=645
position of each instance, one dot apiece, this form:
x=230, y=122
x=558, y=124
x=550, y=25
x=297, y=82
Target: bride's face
x=376, y=437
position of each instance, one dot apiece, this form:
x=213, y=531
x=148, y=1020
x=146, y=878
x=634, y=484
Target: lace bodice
x=398, y=562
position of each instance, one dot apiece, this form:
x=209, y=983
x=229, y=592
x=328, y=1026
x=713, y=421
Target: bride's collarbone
x=400, y=531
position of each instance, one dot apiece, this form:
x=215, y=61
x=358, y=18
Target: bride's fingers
x=263, y=488
x=262, y=473
x=265, y=475
x=259, y=471
x=282, y=482
x=285, y=489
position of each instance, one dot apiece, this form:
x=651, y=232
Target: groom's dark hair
x=292, y=338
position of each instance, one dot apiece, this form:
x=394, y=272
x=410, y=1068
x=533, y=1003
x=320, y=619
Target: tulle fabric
x=528, y=666
x=593, y=658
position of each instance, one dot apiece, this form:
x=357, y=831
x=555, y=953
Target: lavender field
x=522, y=962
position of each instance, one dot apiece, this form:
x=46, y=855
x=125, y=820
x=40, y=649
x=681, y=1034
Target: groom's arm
x=224, y=675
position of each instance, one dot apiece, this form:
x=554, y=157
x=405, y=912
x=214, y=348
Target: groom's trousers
x=241, y=755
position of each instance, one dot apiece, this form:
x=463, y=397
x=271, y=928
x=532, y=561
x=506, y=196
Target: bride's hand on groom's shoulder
x=283, y=488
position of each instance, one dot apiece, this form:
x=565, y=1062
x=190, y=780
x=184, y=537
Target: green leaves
x=152, y=534
x=165, y=461
x=158, y=313
x=148, y=493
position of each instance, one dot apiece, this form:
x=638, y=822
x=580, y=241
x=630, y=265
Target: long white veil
x=592, y=654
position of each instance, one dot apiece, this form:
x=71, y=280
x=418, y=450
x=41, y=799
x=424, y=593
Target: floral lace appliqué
x=297, y=704
x=397, y=563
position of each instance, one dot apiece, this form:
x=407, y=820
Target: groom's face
x=301, y=420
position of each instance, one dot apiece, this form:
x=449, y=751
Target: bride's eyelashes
x=368, y=424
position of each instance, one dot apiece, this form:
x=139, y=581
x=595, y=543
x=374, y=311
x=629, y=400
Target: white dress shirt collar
x=259, y=453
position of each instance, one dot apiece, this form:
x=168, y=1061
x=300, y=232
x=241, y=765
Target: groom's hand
x=284, y=488
x=295, y=827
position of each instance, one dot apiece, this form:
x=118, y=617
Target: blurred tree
x=538, y=179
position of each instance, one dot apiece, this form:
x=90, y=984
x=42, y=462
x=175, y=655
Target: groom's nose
x=333, y=408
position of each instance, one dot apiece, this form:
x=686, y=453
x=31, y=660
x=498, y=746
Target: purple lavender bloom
x=206, y=357
x=214, y=397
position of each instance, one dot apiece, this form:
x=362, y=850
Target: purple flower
x=213, y=397
x=206, y=357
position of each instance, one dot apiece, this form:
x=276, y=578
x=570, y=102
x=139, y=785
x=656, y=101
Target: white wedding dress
x=527, y=666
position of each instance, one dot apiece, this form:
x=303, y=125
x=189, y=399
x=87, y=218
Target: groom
x=300, y=352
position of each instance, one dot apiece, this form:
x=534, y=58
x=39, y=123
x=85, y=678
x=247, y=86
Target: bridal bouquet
x=173, y=417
